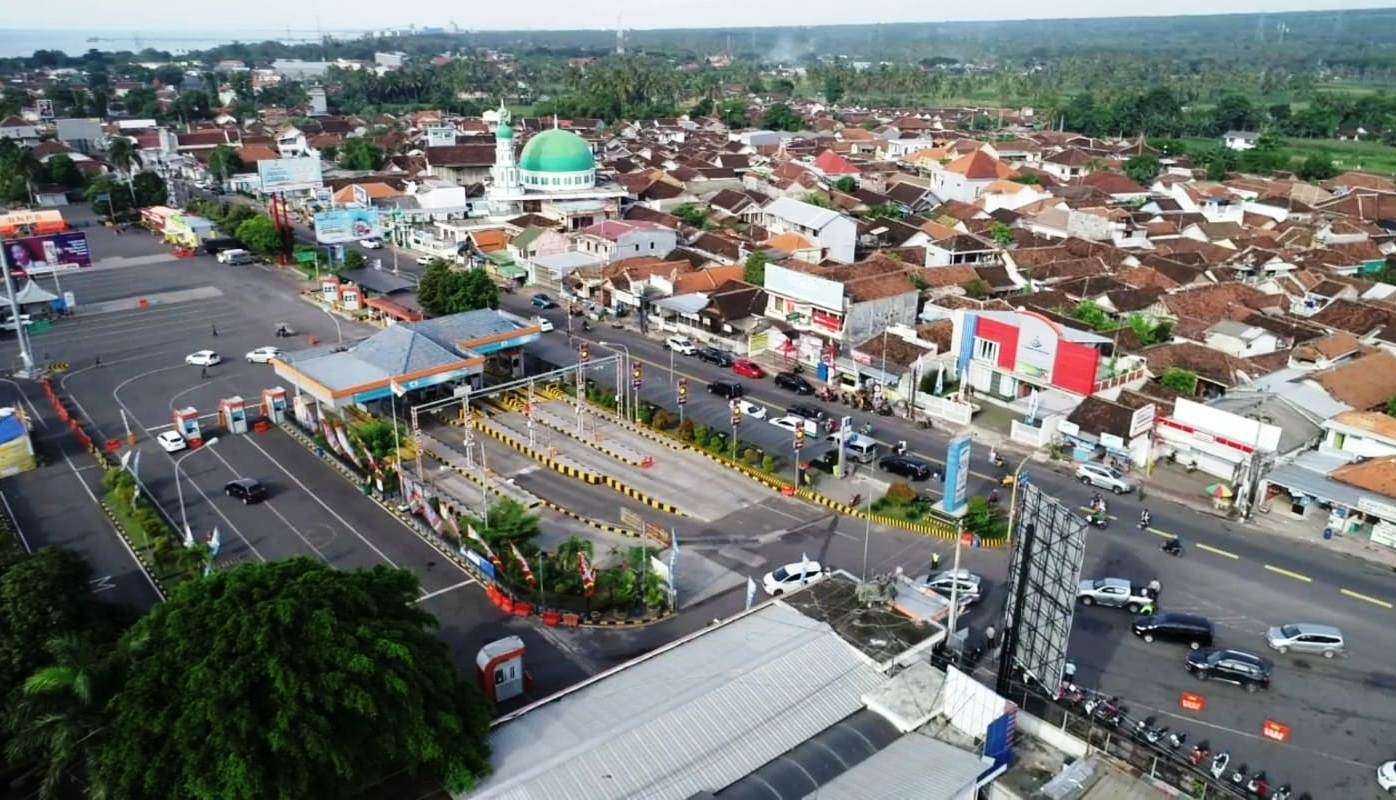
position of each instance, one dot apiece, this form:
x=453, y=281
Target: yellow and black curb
x=474, y=479
x=145, y=564
x=599, y=525
x=519, y=404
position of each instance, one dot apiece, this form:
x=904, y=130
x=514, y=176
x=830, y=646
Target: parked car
x=791, y=382
x=543, y=301
x=262, y=355
x=203, y=358
x=235, y=256
x=544, y=324
x=825, y=461
x=1115, y=593
x=9, y=323
x=248, y=490
x=1103, y=477
x=372, y=244
x=1386, y=777
x=965, y=585
x=1194, y=631
x=171, y=441
x=713, y=355
x=791, y=577
x=1251, y=672
x=907, y=467
x=1306, y=637
x=750, y=409
x=680, y=344
x=728, y=389
x=425, y=260
x=790, y=423
x=807, y=411
x=748, y=369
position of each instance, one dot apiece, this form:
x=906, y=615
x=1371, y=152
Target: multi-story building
x=835, y=233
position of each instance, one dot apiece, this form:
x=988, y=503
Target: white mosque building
x=555, y=176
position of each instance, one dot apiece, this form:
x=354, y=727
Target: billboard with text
x=347, y=225
x=46, y=253
x=287, y=174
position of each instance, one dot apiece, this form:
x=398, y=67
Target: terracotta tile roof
x=831, y=163
x=708, y=280
x=1096, y=415
x=1376, y=422
x=940, y=333
x=1213, y=365
x=1329, y=348
x=1353, y=317
x=1365, y=383
x=1375, y=475
x=252, y=153
x=980, y=166
x=941, y=277
x=460, y=155
x=1212, y=304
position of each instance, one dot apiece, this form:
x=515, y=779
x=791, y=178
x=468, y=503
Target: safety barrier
x=519, y=404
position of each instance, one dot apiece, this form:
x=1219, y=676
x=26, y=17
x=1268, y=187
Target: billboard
x=956, y=473
x=286, y=174
x=47, y=253
x=347, y=225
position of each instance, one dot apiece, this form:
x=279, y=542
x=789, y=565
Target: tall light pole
x=337, y=330
x=179, y=486
x=625, y=370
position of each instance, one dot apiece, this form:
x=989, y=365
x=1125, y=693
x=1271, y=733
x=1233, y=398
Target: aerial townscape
x=814, y=405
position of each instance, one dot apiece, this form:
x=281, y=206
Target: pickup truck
x=1116, y=593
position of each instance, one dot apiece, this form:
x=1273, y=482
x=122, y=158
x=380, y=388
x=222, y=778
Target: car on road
x=728, y=389
x=9, y=323
x=825, y=461
x=1386, y=777
x=747, y=368
x=680, y=344
x=907, y=467
x=544, y=324
x=1115, y=593
x=792, y=576
x=234, y=257
x=372, y=244
x=1189, y=629
x=714, y=355
x=963, y=584
x=248, y=490
x=543, y=301
x=1305, y=637
x=171, y=441
x=203, y=358
x=1103, y=477
x=807, y=411
x=425, y=260
x=791, y=382
x=1248, y=671
x=790, y=423
x=750, y=409
x=262, y=355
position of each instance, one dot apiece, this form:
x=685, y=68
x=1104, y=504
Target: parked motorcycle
x=1257, y=785
x=1238, y=778
x=1282, y=793
x=1220, y=761
x=1173, y=547
x=1176, y=739
x=1200, y=751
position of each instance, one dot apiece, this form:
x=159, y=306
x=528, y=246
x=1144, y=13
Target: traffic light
x=736, y=415
x=800, y=438
x=683, y=391
x=636, y=375
x=584, y=352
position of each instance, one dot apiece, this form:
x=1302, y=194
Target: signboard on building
x=956, y=473
x=1037, y=346
x=289, y=174
x=347, y=225
x=46, y=253
x=1142, y=419
x=441, y=136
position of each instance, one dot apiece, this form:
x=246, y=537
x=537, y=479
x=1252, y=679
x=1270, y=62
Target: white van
x=235, y=257
x=860, y=448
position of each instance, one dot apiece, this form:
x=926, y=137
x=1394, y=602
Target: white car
x=680, y=344
x=792, y=576
x=1103, y=477
x=750, y=409
x=262, y=355
x=425, y=260
x=203, y=358
x=171, y=441
x=544, y=324
x=372, y=244
x=964, y=585
x=791, y=423
x=1386, y=777
x=9, y=323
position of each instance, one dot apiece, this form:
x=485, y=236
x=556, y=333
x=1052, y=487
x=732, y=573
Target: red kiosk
x=186, y=421
x=232, y=412
x=500, y=667
x=274, y=405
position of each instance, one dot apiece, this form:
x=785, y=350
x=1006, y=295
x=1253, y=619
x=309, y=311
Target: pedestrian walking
x=215, y=330
x=989, y=635
x=935, y=562
x=97, y=361
x=203, y=372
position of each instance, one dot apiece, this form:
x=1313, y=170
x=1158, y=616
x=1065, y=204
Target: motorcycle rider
x=1144, y=518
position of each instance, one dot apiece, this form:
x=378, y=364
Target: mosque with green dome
x=555, y=176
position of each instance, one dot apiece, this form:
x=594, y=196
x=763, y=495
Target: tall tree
x=287, y=679
x=359, y=153
x=123, y=156
x=224, y=162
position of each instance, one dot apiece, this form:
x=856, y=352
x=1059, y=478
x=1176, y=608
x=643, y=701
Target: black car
x=806, y=411
x=826, y=461
x=1189, y=629
x=712, y=355
x=791, y=382
x=910, y=468
x=248, y=490
x=728, y=389
x=543, y=301
x=1248, y=671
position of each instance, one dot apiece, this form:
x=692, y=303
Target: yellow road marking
x=1164, y=534
x=1288, y=574
x=1366, y=598
x=1217, y=551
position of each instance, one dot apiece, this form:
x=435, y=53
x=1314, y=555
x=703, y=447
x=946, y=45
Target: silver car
x=1306, y=637
x=1103, y=477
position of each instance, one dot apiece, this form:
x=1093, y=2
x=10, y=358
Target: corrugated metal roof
x=913, y=766
x=801, y=213
x=695, y=717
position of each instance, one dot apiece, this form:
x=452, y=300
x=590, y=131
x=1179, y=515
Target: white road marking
x=18, y=531
x=439, y=592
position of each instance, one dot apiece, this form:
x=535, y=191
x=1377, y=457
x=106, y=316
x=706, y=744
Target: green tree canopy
x=734, y=114
x=259, y=234
x=1142, y=169
x=62, y=171
x=1093, y=315
x=506, y=521
x=754, y=271
x=1316, y=167
x=1179, y=380
x=224, y=162
x=976, y=288
x=1150, y=332
x=781, y=117
x=360, y=154
x=445, y=290
x=846, y=184
x=1001, y=234
x=287, y=679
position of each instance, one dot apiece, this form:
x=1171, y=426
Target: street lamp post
x=630, y=402
x=179, y=486
x=339, y=333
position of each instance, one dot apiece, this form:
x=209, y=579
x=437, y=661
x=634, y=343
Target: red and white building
x=1011, y=354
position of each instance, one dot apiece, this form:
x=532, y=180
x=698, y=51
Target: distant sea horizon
x=22, y=42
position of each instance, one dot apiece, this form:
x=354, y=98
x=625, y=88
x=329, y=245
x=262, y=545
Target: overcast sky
x=245, y=15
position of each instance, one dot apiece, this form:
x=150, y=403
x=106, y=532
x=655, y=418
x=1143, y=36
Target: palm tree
x=57, y=710
x=122, y=154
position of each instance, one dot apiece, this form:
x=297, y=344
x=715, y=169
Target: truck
x=1116, y=593
x=235, y=257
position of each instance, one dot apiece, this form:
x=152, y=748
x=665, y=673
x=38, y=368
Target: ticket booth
x=232, y=412
x=350, y=297
x=274, y=405
x=329, y=289
x=501, y=668
x=186, y=421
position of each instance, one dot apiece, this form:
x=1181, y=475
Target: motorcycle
x=1153, y=735
x=586, y=326
x=1200, y=751
x=867, y=429
x=1220, y=761
x=1142, y=726
x=998, y=461
x=1282, y=793
x=1172, y=547
x=1176, y=739
x=1238, y=778
x=1257, y=785
x=1098, y=521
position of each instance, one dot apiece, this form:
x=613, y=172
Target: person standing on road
x=215, y=330
x=203, y=373
x=1153, y=589
x=935, y=562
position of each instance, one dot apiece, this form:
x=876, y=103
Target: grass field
x=1372, y=157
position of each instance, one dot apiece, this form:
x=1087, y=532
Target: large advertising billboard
x=956, y=473
x=347, y=225
x=287, y=174
x=47, y=253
